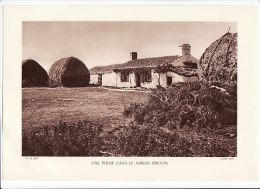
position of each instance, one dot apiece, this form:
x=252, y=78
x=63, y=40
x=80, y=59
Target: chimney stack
x=133, y=55
x=185, y=49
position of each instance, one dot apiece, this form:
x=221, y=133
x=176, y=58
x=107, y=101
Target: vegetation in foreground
x=169, y=124
x=88, y=139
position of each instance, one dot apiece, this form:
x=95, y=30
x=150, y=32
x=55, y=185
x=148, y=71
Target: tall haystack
x=33, y=74
x=219, y=61
x=69, y=72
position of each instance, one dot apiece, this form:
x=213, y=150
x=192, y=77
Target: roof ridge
x=137, y=63
x=153, y=57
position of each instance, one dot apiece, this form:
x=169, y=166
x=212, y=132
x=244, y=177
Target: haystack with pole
x=33, y=74
x=69, y=72
x=218, y=67
x=219, y=61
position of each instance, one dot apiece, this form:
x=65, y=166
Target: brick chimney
x=185, y=49
x=133, y=55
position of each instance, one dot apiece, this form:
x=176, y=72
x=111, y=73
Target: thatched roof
x=69, y=72
x=33, y=74
x=219, y=61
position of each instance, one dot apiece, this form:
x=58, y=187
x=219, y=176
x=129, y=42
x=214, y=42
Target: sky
x=104, y=43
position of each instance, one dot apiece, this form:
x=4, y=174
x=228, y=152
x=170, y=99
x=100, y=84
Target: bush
x=66, y=139
x=199, y=104
x=87, y=138
x=139, y=140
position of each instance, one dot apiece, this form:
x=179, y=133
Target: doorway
x=99, y=79
x=169, y=81
x=137, y=80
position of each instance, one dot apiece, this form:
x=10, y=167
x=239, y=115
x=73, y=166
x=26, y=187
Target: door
x=169, y=81
x=137, y=80
x=99, y=79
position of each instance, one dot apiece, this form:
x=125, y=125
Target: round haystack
x=219, y=61
x=33, y=74
x=69, y=72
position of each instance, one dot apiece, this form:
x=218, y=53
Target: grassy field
x=47, y=106
x=92, y=121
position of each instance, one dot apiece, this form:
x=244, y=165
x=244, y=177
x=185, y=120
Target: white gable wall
x=93, y=79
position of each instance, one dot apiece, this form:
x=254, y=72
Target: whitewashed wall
x=109, y=79
x=93, y=79
x=192, y=78
x=175, y=77
x=163, y=79
x=114, y=79
x=155, y=82
x=130, y=83
x=180, y=78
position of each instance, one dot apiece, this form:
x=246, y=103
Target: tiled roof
x=138, y=63
x=187, y=58
x=185, y=71
x=183, y=65
x=103, y=69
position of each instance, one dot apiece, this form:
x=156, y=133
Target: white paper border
x=142, y=184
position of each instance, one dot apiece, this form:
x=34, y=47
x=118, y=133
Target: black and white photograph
x=129, y=88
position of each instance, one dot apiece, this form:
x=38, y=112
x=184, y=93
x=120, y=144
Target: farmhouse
x=33, y=74
x=69, y=72
x=148, y=72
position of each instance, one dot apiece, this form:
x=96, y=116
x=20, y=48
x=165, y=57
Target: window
x=147, y=76
x=124, y=77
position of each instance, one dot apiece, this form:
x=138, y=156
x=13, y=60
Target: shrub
x=66, y=139
x=139, y=140
x=199, y=104
x=87, y=138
